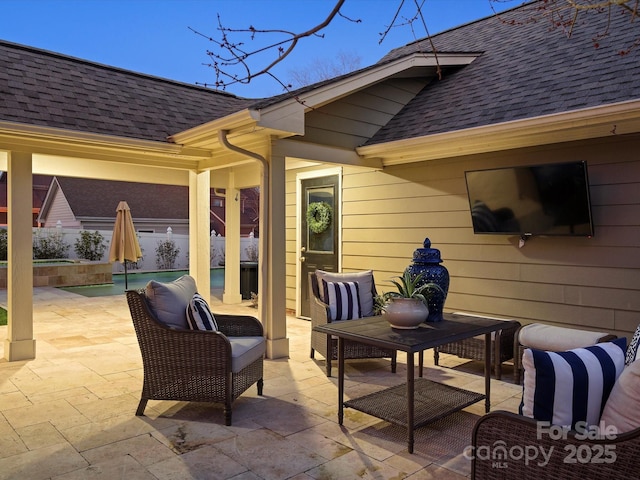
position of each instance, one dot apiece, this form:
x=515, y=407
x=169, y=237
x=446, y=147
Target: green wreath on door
x=319, y=216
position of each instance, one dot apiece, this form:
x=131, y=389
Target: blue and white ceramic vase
x=427, y=261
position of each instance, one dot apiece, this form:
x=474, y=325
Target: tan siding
x=350, y=121
x=573, y=281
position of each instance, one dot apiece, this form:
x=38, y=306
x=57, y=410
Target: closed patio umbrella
x=124, y=243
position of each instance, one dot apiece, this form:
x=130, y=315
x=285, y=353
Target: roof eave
x=285, y=117
x=595, y=122
x=420, y=64
x=245, y=118
x=59, y=141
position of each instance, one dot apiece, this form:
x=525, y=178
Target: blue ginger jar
x=428, y=262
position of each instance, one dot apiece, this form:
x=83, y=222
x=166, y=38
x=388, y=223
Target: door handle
x=302, y=259
x=303, y=249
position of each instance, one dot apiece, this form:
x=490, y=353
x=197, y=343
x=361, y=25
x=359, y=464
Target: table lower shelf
x=432, y=401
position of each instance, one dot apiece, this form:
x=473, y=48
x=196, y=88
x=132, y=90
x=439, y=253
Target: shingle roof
x=526, y=70
x=43, y=88
x=100, y=198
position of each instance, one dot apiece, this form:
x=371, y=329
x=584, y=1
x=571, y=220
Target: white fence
x=149, y=243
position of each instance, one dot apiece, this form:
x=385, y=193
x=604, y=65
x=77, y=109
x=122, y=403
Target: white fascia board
x=206, y=131
x=594, y=122
x=340, y=88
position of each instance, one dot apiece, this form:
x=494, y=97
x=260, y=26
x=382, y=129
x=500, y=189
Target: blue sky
x=153, y=36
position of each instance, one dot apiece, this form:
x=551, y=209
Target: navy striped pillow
x=199, y=315
x=343, y=299
x=564, y=388
x=632, y=349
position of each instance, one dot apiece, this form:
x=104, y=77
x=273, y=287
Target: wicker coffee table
x=418, y=401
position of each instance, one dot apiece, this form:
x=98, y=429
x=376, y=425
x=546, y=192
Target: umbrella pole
x=126, y=284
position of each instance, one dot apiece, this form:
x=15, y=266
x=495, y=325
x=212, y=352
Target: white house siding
x=568, y=281
x=60, y=210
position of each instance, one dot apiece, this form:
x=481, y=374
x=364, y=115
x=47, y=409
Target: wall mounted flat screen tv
x=550, y=199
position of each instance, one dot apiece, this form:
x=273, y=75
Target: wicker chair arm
x=320, y=313
x=192, y=352
x=239, y=325
x=499, y=437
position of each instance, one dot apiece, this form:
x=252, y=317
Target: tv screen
x=551, y=199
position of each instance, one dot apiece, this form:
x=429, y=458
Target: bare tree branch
x=235, y=63
x=238, y=56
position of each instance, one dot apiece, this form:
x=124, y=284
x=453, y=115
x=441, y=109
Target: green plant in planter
x=409, y=286
x=408, y=307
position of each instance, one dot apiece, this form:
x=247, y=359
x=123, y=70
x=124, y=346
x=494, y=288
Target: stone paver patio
x=70, y=413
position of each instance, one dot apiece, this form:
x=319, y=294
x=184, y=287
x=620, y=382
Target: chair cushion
x=343, y=299
x=168, y=301
x=632, y=349
x=199, y=316
x=622, y=410
x=245, y=351
x=567, y=387
x=556, y=339
x=365, y=287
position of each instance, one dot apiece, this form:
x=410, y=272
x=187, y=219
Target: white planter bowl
x=406, y=313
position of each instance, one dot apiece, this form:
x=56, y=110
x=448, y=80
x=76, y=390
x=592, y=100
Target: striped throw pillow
x=343, y=299
x=199, y=315
x=564, y=388
x=632, y=349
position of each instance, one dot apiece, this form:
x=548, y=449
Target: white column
x=19, y=344
x=274, y=291
x=199, y=239
x=232, y=293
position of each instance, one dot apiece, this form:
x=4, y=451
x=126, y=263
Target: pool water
x=137, y=280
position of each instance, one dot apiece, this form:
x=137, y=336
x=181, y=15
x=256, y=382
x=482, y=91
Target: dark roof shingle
x=43, y=88
x=100, y=198
x=526, y=70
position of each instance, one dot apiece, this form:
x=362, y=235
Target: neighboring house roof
x=48, y=89
x=526, y=70
x=91, y=199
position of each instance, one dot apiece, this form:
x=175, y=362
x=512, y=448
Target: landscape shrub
x=166, y=253
x=49, y=244
x=90, y=246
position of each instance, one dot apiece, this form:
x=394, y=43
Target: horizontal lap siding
x=577, y=282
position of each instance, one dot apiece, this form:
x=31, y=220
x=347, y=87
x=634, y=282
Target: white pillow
x=343, y=299
x=199, y=316
x=365, y=287
x=564, y=388
x=622, y=410
x=168, y=301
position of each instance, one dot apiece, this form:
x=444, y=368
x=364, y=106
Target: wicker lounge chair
x=473, y=348
x=193, y=365
x=498, y=439
x=328, y=347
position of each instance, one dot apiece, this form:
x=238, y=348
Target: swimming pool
x=136, y=280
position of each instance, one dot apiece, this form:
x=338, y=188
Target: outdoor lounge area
x=70, y=413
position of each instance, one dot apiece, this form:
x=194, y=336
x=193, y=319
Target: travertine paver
x=69, y=414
